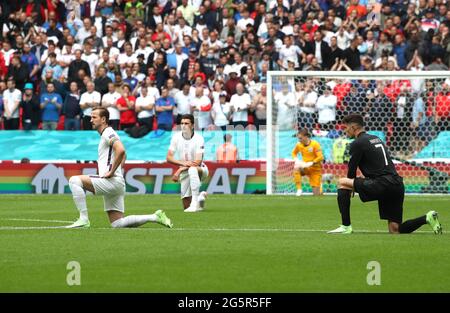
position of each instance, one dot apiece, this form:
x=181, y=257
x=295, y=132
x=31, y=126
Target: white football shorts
x=186, y=184
x=112, y=190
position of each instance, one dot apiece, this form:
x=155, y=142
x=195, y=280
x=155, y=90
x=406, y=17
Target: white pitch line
x=35, y=220
x=297, y=230
x=29, y=228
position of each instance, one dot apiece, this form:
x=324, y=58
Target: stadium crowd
x=149, y=62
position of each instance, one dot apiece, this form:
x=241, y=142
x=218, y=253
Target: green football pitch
x=240, y=243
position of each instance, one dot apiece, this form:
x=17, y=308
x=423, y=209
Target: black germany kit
x=381, y=181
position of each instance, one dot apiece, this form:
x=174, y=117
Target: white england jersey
x=185, y=150
x=106, y=152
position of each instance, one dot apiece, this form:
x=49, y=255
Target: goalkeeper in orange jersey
x=311, y=164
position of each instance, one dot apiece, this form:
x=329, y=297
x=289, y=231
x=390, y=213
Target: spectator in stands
x=126, y=105
x=161, y=70
x=78, y=64
x=201, y=106
x=209, y=61
x=129, y=78
x=322, y=51
x=145, y=108
x=92, y=59
x=285, y=101
x=344, y=36
x=351, y=55
x=355, y=101
x=3, y=67
x=404, y=104
x=227, y=152
x=187, y=11
x=53, y=31
x=52, y=48
x=240, y=103
x=428, y=21
x=442, y=107
x=230, y=85
x=38, y=48
x=89, y=100
x=54, y=66
x=30, y=60
x=183, y=102
x=11, y=104
x=289, y=51
x=102, y=81
x=326, y=107
x=379, y=109
x=2, y=89
x=356, y=6
x=172, y=90
x=419, y=125
x=7, y=52
x=71, y=108
x=31, y=115
x=384, y=46
x=437, y=50
x=399, y=50
x=85, y=31
x=259, y=107
x=81, y=79
x=51, y=104
x=164, y=110
x=437, y=65
x=19, y=72
x=109, y=101
x=307, y=98
x=221, y=112
x=94, y=41
x=199, y=82
x=59, y=87
x=251, y=82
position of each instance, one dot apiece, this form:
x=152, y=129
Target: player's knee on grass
x=186, y=202
x=394, y=228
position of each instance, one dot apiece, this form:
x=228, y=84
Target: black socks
x=411, y=225
x=343, y=198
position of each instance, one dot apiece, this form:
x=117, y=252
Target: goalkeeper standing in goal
x=381, y=182
x=311, y=164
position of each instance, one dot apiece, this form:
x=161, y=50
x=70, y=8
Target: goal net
x=409, y=111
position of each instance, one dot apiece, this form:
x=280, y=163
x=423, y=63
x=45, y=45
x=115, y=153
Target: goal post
x=408, y=110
